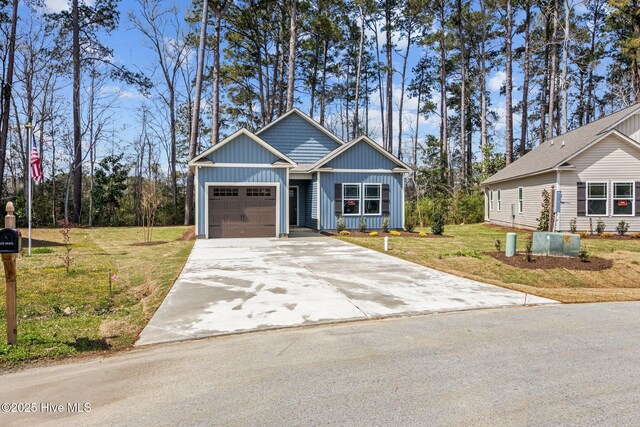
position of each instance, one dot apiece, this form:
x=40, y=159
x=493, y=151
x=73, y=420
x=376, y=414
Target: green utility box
x=556, y=244
x=510, y=249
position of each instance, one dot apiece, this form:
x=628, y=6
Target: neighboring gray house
x=596, y=167
x=294, y=172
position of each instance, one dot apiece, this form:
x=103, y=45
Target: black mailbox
x=10, y=241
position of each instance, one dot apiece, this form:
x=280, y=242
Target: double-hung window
x=490, y=200
x=351, y=199
x=597, y=196
x=372, y=199
x=499, y=202
x=520, y=199
x=623, y=198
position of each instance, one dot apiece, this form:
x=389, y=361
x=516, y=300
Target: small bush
x=423, y=234
x=373, y=233
x=410, y=223
x=498, y=245
x=543, y=221
x=584, y=255
x=362, y=225
x=345, y=233
x=622, y=227
x=340, y=224
x=600, y=227
x=395, y=233
x=583, y=234
x=606, y=235
x=385, y=223
x=528, y=250
x=437, y=226
x=573, y=225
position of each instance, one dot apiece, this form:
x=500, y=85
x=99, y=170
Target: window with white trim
x=623, y=198
x=490, y=200
x=520, y=199
x=499, y=202
x=597, y=196
x=372, y=199
x=351, y=199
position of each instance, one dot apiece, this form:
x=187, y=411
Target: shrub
x=622, y=227
x=362, y=225
x=528, y=250
x=573, y=225
x=498, y=245
x=423, y=234
x=437, y=226
x=600, y=227
x=385, y=224
x=409, y=223
x=340, y=224
x=543, y=221
x=583, y=234
x=345, y=233
x=395, y=233
x=584, y=255
x=373, y=233
x=465, y=208
x=606, y=235
x=635, y=236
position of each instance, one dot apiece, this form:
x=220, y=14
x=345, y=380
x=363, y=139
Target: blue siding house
x=295, y=173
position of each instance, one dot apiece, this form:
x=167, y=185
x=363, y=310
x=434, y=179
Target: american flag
x=36, y=172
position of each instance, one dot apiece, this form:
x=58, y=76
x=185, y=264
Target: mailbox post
x=10, y=242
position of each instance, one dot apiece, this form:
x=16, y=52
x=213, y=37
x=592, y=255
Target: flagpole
x=29, y=127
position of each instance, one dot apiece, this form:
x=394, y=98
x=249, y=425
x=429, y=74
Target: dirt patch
x=551, y=262
x=355, y=233
x=190, y=234
x=505, y=228
x=154, y=243
x=634, y=236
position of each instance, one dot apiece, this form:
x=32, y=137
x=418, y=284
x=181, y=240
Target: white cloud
x=121, y=93
x=497, y=80
x=57, y=6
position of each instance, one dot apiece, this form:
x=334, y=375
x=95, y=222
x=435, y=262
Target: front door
x=293, y=205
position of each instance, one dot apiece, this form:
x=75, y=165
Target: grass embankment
x=62, y=314
x=464, y=254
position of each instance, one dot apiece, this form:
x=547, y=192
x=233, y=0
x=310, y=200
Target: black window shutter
x=637, y=206
x=582, y=199
x=385, y=199
x=337, y=197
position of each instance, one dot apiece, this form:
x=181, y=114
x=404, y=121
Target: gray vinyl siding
x=610, y=160
x=631, y=127
x=327, y=188
x=242, y=149
x=532, y=200
x=242, y=176
x=298, y=139
x=361, y=156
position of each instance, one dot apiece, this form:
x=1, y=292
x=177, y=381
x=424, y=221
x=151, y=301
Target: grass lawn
x=95, y=320
x=463, y=255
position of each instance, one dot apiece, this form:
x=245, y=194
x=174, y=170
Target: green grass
x=464, y=254
x=63, y=314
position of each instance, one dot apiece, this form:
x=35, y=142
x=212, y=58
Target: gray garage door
x=242, y=211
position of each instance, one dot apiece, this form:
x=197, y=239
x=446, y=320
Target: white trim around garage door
x=240, y=184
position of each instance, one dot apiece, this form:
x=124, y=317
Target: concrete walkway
x=239, y=285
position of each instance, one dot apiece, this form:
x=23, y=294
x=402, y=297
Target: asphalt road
x=546, y=365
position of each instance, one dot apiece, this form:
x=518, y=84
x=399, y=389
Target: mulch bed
x=190, y=234
x=356, y=233
x=154, y=243
x=551, y=262
x=612, y=237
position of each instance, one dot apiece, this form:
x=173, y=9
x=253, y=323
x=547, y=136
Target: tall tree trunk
x=389, y=88
x=215, y=108
x=314, y=83
x=565, y=60
x=77, y=133
x=545, y=81
x=323, y=83
x=195, y=115
x=402, y=87
x=509, y=85
x=356, y=112
x=380, y=87
x=444, y=125
x=463, y=97
x=92, y=159
x=293, y=38
x=553, y=70
x=525, y=80
x=6, y=93
x=484, y=137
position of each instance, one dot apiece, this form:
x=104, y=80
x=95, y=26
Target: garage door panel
x=248, y=211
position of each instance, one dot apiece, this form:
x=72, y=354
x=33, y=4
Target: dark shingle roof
x=553, y=153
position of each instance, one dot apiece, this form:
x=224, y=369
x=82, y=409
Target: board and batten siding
x=610, y=160
x=532, y=187
x=328, y=180
x=361, y=156
x=244, y=176
x=298, y=139
x=242, y=149
x=312, y=202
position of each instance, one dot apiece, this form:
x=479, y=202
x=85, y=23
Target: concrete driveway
x=238, y=285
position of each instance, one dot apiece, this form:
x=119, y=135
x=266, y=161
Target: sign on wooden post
x=10, y=242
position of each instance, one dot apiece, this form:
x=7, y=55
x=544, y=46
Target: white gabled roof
x=335, y=153
x=249, y=134
x=308, y=119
